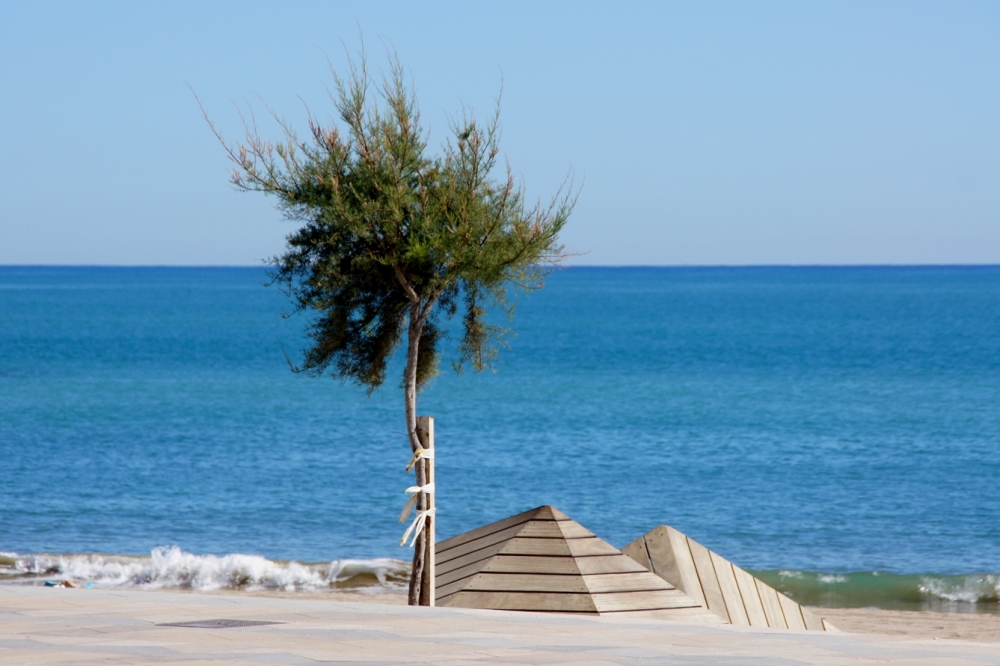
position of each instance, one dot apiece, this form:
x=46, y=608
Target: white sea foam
x=971, y=589
x=171, y=567
x=785, y=573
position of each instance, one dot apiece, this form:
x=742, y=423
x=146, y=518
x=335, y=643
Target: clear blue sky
x=703, y=133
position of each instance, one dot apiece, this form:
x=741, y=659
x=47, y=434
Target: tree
x=394, y=239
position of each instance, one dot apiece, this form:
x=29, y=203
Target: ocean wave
x=945, y=592
x=174, y=568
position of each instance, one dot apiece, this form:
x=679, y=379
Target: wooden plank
x=829, y=627
x=637, y=551
x=445, y=590
x=460, y=573
x=792, y=612
x=524, y=582
x=542, y=529
x=573, y=530
x=524, y=601
x=477, y=556
x=604, y=564
x=625, y=582
x=529, y=564
x=751, y=598
x=518, y=546
x=444, y=599
x=504, y=563
x=485, y=530
x=549, y=512
x=690, y=582
x=730, y=590
x=772, y=607
x=425, y=432
x=813, y=622
x=593, y=546
x=478, y=544
x=670, y=556
x=647, y=600
x=702, y=559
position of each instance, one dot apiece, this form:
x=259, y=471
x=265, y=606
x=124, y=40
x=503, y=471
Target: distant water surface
x=829, y=420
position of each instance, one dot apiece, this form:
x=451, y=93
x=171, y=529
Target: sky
x=709, y=133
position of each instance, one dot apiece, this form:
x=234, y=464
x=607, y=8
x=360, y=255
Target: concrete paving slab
x=88, y=626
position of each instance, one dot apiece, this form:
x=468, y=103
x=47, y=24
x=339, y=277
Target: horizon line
x=588, y=266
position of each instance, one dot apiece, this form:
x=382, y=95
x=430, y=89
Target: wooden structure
x=427, y=502
x=717, y=584
x=541, y=560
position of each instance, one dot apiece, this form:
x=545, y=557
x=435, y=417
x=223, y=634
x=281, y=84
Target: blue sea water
x=827, y=420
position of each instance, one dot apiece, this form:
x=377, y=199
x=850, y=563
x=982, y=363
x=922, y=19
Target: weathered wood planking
x=476, y=556
x=812, y=622
x=772, y=607
x=571, y=529
x=792, y=612
x=559, y=547
x=637, y=551
x=460, y=573
x=548, y=565
x=611, y=602
x=485, y=530
x=673, y=561
x=598, y=564
x=445, y=556
x=522, y=582
x=709, y=582
x=625, y=582
x=730, y=590
x=724, y=588
x=526, y=582
x=751, y=598
x=501, y=563
x=554, y=529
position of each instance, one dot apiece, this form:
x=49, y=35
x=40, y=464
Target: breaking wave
x=953, y=593
x=173, y=568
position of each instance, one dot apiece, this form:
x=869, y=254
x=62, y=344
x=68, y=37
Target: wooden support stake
x=425, y=433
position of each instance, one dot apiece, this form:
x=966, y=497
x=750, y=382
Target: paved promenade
x=79, y=626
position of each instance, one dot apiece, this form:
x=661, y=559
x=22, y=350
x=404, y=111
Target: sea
x=836, y=430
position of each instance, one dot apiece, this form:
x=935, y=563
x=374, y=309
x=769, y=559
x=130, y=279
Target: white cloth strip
x=415, y=491
x=425, y=454
x=417, y=526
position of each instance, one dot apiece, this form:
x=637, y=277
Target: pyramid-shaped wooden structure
x=541, y=560
x=717, y=584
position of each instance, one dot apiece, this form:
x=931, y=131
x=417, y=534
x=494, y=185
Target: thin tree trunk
x=419, y=311
x=410, y=395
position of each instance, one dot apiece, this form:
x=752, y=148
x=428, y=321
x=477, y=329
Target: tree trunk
x=410, y=395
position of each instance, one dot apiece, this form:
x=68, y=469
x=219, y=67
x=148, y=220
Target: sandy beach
x=89, y=626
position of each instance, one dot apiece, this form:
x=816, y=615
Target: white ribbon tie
x=424, y=454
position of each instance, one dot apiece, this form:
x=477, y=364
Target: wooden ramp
x=541, y=560
x=718, y=584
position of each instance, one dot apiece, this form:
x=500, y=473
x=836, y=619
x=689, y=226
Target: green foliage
x=393, y=238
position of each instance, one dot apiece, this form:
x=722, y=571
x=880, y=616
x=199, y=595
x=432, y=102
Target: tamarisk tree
x=393, y=239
